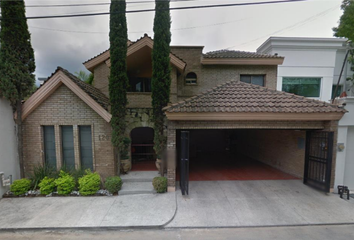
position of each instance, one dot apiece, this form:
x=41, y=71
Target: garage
x=240, y=154
x=240, y=131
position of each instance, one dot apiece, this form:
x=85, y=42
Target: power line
x=95, y=4
x=312, y=18
x=174, y=8
x=175, y=29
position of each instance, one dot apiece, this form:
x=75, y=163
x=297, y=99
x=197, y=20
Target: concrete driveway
x=258, y=203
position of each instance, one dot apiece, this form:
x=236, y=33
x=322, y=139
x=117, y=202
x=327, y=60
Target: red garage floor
x=233, y=169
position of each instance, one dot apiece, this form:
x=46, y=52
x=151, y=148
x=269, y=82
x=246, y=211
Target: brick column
x=77, y=146
x=58, y=146
x=171, y=157
x=333, y=127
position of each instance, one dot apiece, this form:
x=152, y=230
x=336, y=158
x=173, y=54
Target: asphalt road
x=330, y=232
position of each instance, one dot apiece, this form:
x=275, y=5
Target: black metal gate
x=318, y=159
x=184, y=171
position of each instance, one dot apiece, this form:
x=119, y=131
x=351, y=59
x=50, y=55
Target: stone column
x=332, y=126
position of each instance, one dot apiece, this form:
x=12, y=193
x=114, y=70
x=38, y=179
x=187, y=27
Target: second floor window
x=254, y=79
x=302, y=86
x=139, y=84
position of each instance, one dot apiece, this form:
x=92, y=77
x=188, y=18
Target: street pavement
x=331, y=232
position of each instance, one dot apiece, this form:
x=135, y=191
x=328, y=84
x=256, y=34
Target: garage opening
x=250, y=154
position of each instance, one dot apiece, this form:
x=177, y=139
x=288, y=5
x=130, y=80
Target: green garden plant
x=160, y=184
x=65, y=183
x=90, y=183
x=47, y=185
x=20, y=186
x=113, y=184
x=40, y=172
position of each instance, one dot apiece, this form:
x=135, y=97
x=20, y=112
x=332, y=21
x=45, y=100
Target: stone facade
x=63, y=107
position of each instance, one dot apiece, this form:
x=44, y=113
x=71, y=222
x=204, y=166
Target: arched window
x=191, y=78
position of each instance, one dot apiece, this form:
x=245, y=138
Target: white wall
x=345, y=159
x=306, y=57
x=9, y=163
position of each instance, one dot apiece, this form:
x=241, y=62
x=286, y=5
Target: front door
x=318, y=159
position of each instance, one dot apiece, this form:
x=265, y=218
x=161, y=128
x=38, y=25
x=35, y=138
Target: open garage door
x=318, y=159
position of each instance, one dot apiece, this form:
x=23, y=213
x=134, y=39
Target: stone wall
x=63, y=107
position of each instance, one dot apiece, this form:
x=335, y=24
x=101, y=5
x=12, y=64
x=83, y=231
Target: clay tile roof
x=239, y=97
x=237, y=54
x=93, y=92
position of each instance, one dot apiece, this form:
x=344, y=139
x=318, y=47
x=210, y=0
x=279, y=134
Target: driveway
x=258, y=203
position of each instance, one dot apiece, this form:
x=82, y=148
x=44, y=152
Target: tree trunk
x=20, y=137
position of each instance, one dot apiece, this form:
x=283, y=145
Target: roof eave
x=233, y=116
x=242, y=61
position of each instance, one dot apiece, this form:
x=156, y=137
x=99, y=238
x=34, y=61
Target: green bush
x=113, y=184
x=160, y=184
x=20, y=186
x=90, y=183
x=40, y=172
x=47, y=185
x=65, y=183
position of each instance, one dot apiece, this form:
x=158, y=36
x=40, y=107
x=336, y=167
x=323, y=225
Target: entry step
x=139, y=176
x=130, y=188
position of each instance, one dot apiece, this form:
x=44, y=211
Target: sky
x=68, y=42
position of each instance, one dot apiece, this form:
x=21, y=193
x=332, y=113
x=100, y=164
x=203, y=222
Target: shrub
x=113, y=184
x=65, y=183
x=20, y=186
x=90, y=183
x=77, y=174
x=47, y=185
x=39, y=173
x=160, y=184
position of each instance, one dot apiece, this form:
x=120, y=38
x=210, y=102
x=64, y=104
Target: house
x=226, y=101
x=312, y=68
x=9, y=164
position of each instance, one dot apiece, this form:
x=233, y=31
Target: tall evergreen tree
x=17, y=63
x=118, y=80
x=161, y=71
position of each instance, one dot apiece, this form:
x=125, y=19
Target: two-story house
x=226, y=100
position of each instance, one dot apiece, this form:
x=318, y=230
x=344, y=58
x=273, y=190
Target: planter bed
x=99, y=193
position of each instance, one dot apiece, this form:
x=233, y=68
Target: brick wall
x=101, y=74
x=277, y=148
x=63, y=107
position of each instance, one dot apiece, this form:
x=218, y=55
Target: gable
x=145, y=41
x=95, y=100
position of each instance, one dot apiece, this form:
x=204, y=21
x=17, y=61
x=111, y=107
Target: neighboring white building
x=311, y=68
x=9, y=164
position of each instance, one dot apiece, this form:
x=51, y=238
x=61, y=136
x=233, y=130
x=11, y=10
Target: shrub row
x=86, y=182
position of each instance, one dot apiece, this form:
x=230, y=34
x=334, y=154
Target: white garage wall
x=9, y=163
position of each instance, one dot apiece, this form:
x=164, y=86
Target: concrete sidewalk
x=258, y=203
x=146, y=210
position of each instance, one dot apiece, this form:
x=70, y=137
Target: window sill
x=138, y=93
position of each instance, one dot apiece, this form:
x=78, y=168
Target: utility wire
x=312, y=18
x=173, y=29
x=152, y=10
x=95, y=4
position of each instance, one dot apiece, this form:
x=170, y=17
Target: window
x=49, y=146
x=139, y=84
x=254, y=79
x=191, y=78
x=303, y=86
x=86, y=147
x=339, y=90
x=67, y=138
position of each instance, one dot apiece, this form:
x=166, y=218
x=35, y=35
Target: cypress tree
x=17, y=63
x=118, y=80
x=161, y=71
